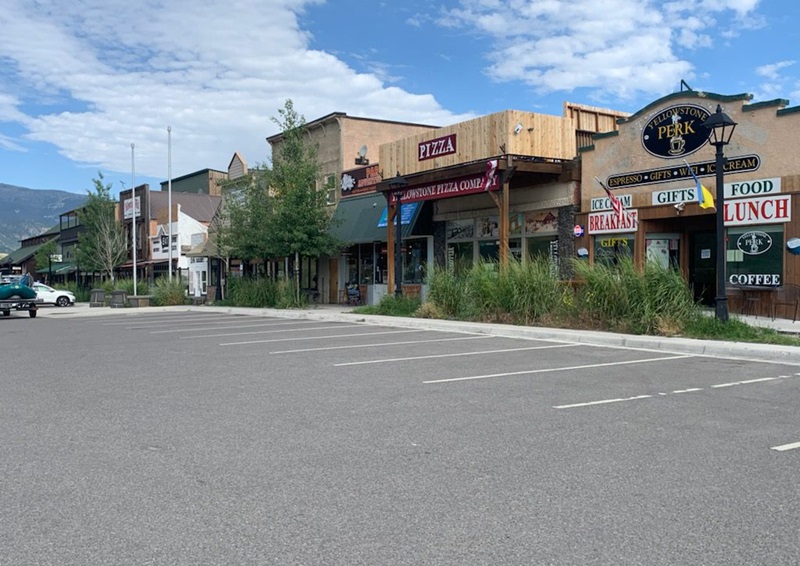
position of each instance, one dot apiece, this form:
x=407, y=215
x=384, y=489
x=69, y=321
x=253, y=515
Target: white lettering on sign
x=764, y=210
x=755, y=279
x=609, y=222
x=439, y=146
x=756, y=188
x=604, y=203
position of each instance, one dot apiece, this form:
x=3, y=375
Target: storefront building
x=362, y=221
x=499, y=186
x=342, y=142
x=648, y=164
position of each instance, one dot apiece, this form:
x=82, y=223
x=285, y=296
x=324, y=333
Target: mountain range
x=27, y=212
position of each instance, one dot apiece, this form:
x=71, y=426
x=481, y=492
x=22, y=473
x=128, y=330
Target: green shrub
x=166, y=292
x=533, y=290
x=82, y=294
x=446, y=292
x=125, y=284
x=624, y=299
x=249, y=292
x=390, y=305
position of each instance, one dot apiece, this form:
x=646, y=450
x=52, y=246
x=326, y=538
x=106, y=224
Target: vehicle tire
x=62, y=302
x=32, y=313
x=6, y=313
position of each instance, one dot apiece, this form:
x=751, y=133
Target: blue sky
x=81, y=81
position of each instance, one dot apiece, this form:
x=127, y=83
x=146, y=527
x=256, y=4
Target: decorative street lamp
x=396, y=186
x=720, y=127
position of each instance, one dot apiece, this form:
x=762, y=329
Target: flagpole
x=169, y=195
x=133, y=199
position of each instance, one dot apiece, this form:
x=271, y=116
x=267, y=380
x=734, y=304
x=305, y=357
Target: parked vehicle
x=57, y=297
x=17, y=294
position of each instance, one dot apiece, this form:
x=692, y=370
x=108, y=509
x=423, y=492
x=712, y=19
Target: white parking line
x=603, y=402
x=785, y=447
x=156, y=318
x=234, y=324
x=549, y=370
x=305, y=329
x=296, y=339
x=383, y=344
x=677, y=392
x=205, y=324
x=733, y=383
x=385, y=360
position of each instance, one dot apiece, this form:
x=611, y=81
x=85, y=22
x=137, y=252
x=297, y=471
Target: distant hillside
x=27, y=212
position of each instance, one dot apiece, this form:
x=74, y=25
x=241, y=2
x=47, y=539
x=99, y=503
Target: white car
x=53, y=296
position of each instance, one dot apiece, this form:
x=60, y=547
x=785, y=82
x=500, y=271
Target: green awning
x=63, y=268
x=361, y=220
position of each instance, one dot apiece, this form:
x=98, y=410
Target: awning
x=361, y=220
x=62, y=268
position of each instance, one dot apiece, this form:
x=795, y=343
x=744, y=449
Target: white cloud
x=102, y=74
x=771, y=71
x=618, y=47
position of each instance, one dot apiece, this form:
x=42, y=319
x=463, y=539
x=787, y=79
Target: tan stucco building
x=646, y=165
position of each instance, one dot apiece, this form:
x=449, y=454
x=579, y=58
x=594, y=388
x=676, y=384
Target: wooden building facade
x=501, y=185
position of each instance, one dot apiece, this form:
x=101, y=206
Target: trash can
x=119, y=299
x=98, y=298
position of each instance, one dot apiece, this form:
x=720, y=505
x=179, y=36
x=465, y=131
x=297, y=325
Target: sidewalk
x=340, y=313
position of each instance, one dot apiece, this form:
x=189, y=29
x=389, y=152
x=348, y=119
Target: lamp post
x=720, y=127
x=396, y=186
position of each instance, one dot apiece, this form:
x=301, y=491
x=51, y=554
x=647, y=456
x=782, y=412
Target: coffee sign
x=676, y=131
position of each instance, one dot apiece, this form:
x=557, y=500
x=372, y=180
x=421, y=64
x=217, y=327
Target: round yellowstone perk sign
x=676, y=131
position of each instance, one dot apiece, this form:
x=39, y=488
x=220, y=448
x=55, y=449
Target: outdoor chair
x=749, y=300
x=788, y=299
x=353, y=295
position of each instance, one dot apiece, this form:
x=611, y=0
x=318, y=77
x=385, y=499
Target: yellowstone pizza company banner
x=452, y=188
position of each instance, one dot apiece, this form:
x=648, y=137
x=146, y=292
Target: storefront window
x=415, y=259
x=543, y=247
x=489, y=251
x=367, y=263
x=351, y=267
x=488, y=227
x=361, y=264
x=460, y=230
x=663, y=249
x=755, y=255
x=610, y=249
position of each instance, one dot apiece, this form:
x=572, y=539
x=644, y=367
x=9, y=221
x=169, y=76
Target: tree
x=245, y=227
x=301, y=216
x=43, y=258
x=102, y=245
x=279, y=212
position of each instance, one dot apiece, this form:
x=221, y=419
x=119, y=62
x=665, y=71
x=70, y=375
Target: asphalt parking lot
x=209, y=437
